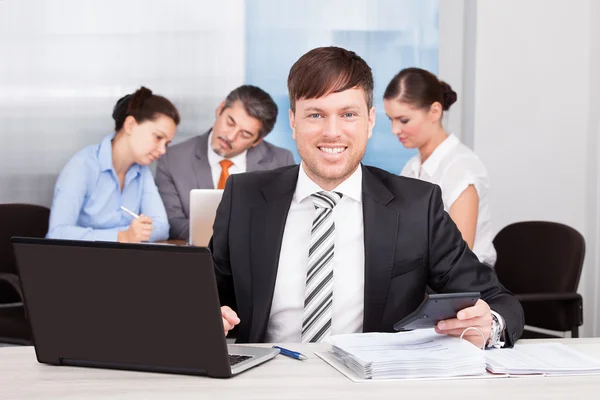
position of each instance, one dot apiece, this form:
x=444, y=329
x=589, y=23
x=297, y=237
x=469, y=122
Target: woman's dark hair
x=143, y=106
x=420, y=88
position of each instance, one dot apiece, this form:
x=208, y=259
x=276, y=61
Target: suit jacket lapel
x=380, y=236
x=267, y=224
x=201, y=167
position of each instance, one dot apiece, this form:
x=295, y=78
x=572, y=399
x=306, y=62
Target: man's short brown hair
x=326, y=70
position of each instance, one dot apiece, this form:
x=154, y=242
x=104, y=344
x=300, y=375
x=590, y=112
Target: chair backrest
x=27, y=220
x=539, y=257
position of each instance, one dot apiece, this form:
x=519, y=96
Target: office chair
x=540, y=262
x=16, y=220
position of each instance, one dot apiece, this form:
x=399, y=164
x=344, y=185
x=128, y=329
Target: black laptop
x=143, y=307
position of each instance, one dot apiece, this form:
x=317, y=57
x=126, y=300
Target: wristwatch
x=497, y=332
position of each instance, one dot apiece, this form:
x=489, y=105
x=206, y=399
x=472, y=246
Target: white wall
x=535, y=118
x=64, y=64
x=451, y=65
x=591, y=278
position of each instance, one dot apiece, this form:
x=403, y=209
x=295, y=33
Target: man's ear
x=260, y=139
x=220, y=109
x=372, y=115
x=292, y=123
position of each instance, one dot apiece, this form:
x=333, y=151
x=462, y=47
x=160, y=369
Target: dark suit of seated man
x=233, y=145
x=332, y=246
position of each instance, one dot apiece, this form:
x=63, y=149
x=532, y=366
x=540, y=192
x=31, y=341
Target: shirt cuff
x=498, y=334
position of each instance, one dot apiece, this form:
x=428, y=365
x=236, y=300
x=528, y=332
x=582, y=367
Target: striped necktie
x=318, y=297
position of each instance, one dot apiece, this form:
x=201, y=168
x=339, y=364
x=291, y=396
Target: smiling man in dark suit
x=234, y=144
x=332, y=246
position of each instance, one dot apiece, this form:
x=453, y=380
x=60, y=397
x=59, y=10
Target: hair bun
x=138, y=99
x=450, y=95
x=121, y=107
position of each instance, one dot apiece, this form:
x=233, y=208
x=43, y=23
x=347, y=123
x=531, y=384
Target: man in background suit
x=332, y=246
x=243, y=120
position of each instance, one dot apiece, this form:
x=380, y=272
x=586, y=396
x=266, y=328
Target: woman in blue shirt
x=100, y=179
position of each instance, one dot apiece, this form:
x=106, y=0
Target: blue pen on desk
x=290, y=353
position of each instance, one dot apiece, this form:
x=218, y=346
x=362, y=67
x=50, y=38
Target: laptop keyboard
x=236, y=359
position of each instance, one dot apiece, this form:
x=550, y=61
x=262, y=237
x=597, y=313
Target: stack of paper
x=541, y=358
x=416, y=354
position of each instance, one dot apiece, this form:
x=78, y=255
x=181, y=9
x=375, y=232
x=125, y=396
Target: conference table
x=22, y=377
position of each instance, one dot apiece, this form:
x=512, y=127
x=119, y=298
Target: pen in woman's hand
x=134, y=215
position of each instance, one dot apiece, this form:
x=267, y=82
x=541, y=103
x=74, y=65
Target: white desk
x=22, y=377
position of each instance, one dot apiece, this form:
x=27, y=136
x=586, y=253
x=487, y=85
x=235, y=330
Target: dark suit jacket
x=185, y=167
x=410, y=242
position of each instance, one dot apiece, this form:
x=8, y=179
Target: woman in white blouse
x=414, y=101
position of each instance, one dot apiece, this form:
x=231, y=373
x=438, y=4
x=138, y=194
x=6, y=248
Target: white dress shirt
x=239, y=162
x=453, y=166
x=287, y=308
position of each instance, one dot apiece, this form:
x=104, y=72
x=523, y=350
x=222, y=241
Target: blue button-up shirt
x=87, y=198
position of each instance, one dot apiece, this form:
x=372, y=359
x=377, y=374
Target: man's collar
x=351, y=187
